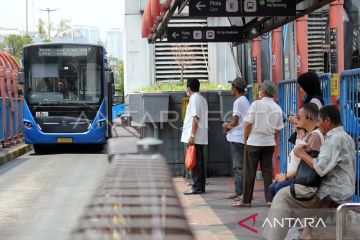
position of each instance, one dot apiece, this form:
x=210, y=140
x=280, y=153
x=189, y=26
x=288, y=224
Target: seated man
x=335, y=164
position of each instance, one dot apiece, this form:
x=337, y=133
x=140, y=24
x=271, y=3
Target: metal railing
x=325, y=80
x=137, y=198
x=350, y=113
x=288, y=102
x=2, y=115
x=11, y=102
x=341, y=218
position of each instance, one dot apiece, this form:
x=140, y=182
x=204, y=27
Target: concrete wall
x=138, y=54
x=218, y=150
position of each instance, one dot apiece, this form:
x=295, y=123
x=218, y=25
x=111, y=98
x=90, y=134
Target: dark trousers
x=252, y=156
x=237, y=154
x=276, y=186
x=198, y=172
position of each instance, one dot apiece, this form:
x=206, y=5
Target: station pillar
x=336, y=24
x=277, y=75
x=302, y=49
x=256, y=65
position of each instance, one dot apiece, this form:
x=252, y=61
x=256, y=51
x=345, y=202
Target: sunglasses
x=300, y=116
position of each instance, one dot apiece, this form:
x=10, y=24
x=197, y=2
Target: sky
x=104, y=13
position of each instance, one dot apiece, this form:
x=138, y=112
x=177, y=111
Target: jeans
x=276, y=186
x=237, y=154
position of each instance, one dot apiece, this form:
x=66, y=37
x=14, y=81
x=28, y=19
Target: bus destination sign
x=234, y=8
x=63, y=52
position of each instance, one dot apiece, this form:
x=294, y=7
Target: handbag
x=292, y=138
x=190, y=158
x=305, y=176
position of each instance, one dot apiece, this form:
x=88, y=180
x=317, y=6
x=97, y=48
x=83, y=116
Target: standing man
x=263, y=122
x=235, y=133
x=195, y=132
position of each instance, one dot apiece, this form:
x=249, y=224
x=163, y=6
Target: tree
x=183, y=57
x=14, y=43
x=120, y=84
x=61, y=28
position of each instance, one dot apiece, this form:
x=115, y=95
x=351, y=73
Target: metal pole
x=27, y=26
x=48, y=10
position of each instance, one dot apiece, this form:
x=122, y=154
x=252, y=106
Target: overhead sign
x=228, y=8
x=204, y=34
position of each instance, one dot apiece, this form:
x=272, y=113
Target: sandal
x=241, y=205
x=232, y=196
x=238, y=198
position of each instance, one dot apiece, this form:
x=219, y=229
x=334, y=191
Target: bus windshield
x=63, y=74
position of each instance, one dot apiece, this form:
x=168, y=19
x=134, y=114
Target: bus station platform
x=212, y=217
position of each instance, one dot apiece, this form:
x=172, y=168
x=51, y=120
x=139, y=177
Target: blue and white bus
x=68, y=93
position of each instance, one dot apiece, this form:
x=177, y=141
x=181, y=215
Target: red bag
x=190, y=159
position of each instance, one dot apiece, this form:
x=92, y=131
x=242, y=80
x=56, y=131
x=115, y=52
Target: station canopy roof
x=252, y=26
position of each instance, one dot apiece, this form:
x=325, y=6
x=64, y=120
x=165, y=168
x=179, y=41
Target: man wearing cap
x=235, y=133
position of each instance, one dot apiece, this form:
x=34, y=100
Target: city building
x=80, y=34
x=114, y=43
x=94, y=34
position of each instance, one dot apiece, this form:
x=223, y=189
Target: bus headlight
x=101, y=123
x=27, y=124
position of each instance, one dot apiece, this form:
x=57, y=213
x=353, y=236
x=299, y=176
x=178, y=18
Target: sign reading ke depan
x=228, y=8
x=204, y=34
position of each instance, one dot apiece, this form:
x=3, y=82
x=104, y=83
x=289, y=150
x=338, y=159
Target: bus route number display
x=63, y=52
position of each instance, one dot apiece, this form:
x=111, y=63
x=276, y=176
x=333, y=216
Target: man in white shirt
x=235, y=133
x=195, y=132
x=263, y=122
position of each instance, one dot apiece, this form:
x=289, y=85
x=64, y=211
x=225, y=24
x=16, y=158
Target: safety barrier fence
x=11, y=110
x=137, y=198
x=350, y=113
x=11, y=125
x=288, y=102
x=325, y=80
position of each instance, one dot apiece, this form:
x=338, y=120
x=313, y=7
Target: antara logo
x=289, y=222
x=294, y=222
x=242, y=223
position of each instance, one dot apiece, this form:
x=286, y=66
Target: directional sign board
x=204, y=34
x=228, y=8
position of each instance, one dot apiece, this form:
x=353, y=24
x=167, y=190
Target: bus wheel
x=39, y=149
x=98, y=147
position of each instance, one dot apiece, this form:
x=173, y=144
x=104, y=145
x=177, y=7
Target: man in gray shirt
x=335, y=164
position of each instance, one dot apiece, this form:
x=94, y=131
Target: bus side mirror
x=21, y=78
x=110, y=77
